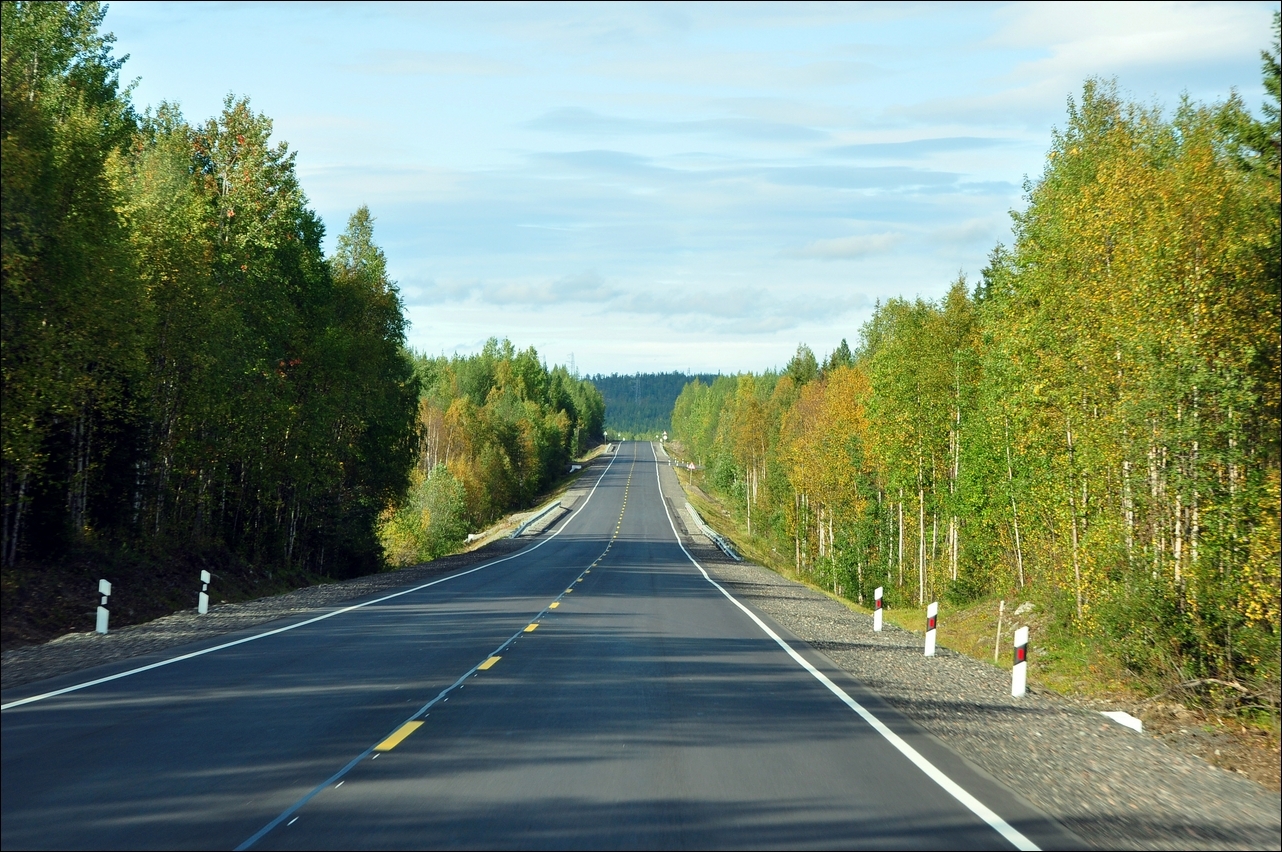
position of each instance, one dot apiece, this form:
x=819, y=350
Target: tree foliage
x=183, y=368
x=1097, y=422
x=497, y=429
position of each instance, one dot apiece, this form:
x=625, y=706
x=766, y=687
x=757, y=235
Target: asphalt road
x=632, y=704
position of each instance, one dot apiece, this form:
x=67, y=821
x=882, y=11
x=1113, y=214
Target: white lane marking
x=978, y=808
x=76, y=687
x=292, y=821
x=441, y=696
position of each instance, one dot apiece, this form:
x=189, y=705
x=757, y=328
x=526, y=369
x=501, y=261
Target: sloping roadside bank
x=1111, y=786
x=82, y=650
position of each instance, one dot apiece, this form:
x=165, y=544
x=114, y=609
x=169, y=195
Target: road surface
x=596, y=689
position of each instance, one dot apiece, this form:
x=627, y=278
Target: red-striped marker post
x=876, y=609
x=1019, y=674
x=104, y=589
x=932, y=621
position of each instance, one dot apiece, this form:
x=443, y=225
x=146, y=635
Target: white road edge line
x=76, y=687
x=978, y=808
x=422, y=711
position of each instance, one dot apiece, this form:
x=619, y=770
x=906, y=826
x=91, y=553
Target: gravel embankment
x=76, y=651
x=1113, y=787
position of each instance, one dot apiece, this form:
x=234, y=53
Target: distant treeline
x=641, y=404
x=1096, y=424
x=497, y=428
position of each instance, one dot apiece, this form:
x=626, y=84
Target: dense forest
x=496, y=429
x=184, y=369
x=640, y=405
x=1095, y=424
x=189, y=382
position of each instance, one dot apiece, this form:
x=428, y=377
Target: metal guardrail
x=716, y=538
x=531, y=520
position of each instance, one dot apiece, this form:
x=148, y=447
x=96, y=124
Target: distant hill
x=641, y=404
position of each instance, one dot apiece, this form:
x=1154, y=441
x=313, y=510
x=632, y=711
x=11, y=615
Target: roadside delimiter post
x=932, y=621
x=876, y=609
x=1019, y=674
x=104, y=589
x=203, y=606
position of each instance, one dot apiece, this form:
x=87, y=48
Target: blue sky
x=659, y=187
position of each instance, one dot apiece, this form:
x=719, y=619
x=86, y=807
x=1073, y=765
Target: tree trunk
x=1177, y=552
x=1014, y=513
x=1128, y=508
x=1072, y=503
x=901, y=537
x=921, y=543
x=952, y=544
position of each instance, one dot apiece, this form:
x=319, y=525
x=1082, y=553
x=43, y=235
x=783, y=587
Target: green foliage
x=429, y=523
x=184, y=371
x=803, y=367
x=496, y=429
x=1096, y=426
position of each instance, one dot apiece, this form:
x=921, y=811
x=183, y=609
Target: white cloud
x=848, y=248
x=1089, y=38
x=980, y=229
x=409, y=63
x=652, y=185
x=586, y=287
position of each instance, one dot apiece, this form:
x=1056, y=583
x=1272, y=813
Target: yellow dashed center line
x=401, y=733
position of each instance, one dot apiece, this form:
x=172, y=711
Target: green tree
x=71, y=308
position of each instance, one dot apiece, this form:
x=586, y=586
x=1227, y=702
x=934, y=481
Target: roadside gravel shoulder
x=76, y=651
x=1113, y=787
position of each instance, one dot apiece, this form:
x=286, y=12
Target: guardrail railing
x=528, y=521
x=714, y=536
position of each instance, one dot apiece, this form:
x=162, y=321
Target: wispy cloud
x=598, y=177
x=581, y=288
x=717, y=310
x=576, y=120
x=915, y=149
x=849, y=177
x=431, y=63
x=849, y=248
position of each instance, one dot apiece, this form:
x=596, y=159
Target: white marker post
x=932, y=621
x=1019, y=674
x=876, y=609
x=104, y=589
x=203, y=606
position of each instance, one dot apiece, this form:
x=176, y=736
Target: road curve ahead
x=595, y=690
